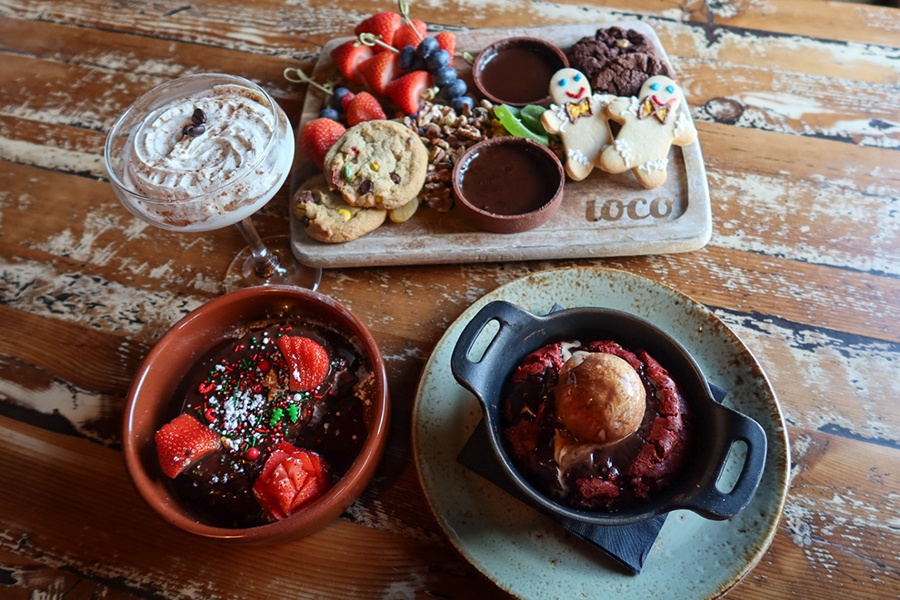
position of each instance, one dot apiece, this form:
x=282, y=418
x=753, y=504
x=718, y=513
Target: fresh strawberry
x=307, y=361
x=382, y=24
x=410, y=35
x=364, y=107
x=183, y=441
x=317, y=136
x=380, y=70
x=347, y=57
x=447, y=41
x=290, y=479
x=407, y=91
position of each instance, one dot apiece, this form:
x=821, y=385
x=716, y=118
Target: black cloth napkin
x=627, y=545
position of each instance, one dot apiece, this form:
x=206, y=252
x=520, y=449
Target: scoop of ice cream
x=600, y=397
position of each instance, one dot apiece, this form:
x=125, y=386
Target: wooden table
x=797, y=108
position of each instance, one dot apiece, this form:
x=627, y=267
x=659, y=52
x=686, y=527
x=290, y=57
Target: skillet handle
x=481, y=376
x=715, y=504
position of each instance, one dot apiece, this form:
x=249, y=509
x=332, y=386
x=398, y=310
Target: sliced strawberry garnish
x=347, y=57
x=364, y=107
x=447, y=41
x=183, y=441
x=317, y=137
x=380, y=70
x=382, y=24
x=410, y=35
x=290, y=479
x=407, y=92
x=308, y=362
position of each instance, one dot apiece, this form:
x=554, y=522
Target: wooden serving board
x=603, y=215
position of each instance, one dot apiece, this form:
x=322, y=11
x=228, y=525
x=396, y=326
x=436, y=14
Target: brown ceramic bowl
x=150, y=400
x=508, y=184
x=517, y=71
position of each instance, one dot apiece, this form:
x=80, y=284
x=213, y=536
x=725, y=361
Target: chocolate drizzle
x=240, y=390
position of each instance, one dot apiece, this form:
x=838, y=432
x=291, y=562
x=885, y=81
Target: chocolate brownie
x=593, y=52
x=617, y=61
x=625, y=74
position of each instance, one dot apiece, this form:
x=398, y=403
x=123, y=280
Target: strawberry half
x=380, y=70
x=183, y=441
x=447, y=41
x=317, y=137
x=410, y=35
x=364, y=107
x=407, y=91
x=347, y=57
x=382, y=24
x=307, y=360
x=290, y=479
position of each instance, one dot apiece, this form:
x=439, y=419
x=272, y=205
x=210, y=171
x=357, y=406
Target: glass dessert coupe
x=203, y=152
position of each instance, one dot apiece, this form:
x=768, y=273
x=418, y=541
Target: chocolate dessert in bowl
x=259, y=417
x=599, y=417
x=508, y=184
x=517, y=70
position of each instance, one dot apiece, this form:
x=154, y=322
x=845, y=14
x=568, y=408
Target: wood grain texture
x=795, y=103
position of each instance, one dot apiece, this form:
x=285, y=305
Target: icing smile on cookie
x=569, y=81
x=653, y=105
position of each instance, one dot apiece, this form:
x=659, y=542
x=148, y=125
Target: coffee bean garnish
x=395, y=178
x=199, y=117
x=364, y=188
x=193, y=130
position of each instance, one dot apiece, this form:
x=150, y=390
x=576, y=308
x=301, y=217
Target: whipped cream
x=214, y=179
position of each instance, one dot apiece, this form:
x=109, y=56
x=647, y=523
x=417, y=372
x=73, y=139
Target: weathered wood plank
x=86, y=358
x=798, y=123
x=96, y=489
x=22, y=579
x=756, y=97
x=844, y=21
x=51, y=92
x=833, y=535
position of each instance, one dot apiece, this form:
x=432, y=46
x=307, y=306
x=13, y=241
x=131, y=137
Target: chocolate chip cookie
x=377, y=164
x=328, y=218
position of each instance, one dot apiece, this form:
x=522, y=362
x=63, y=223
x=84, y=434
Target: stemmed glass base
x=268, y=262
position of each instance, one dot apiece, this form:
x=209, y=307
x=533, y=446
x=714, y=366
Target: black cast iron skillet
x=718, y=428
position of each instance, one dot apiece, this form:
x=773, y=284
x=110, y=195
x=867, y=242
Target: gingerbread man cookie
x=651, y=124
x=577, y=116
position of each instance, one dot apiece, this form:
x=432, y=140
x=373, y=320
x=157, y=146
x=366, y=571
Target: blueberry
x=437, y=59
x=407, y=58
x=444, y=75
x=337, y=97
x=454, y=89
x=330, y=113
x=426, y=47
x=463, y=104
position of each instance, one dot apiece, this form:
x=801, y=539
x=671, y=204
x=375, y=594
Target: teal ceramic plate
x=526, y=553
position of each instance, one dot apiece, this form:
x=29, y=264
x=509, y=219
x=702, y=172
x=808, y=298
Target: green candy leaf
x=509, y=118
x=531, y=117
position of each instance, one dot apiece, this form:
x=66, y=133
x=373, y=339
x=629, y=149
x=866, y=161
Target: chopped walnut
x=447, y=135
